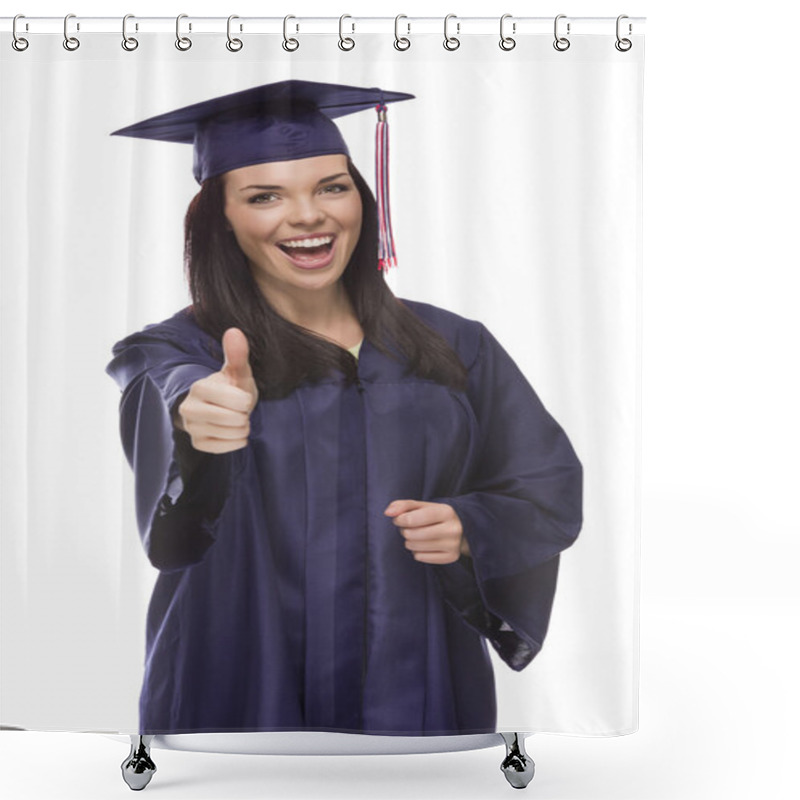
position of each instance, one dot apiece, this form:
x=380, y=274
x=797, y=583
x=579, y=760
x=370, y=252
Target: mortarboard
x=282, y=121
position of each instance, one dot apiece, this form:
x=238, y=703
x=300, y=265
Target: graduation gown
x=286, y=599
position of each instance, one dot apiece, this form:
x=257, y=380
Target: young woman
x=347, y=494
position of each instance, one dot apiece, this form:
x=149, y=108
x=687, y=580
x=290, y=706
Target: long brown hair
x=282, y=354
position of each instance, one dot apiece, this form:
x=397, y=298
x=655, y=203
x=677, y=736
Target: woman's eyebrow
x=334, y=177
x=260, y=186
x=264, y=188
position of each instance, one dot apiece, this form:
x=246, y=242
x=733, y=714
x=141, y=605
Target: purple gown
x=286, y=599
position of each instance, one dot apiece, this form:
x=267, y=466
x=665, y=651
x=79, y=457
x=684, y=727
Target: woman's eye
x=267, y=197
x=336, y=188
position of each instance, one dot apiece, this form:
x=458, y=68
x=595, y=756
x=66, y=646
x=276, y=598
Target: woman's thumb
x=237, y=357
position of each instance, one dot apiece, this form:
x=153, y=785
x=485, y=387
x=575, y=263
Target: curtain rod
x=407, y=25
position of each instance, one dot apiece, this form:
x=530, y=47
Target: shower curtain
x=515, y=202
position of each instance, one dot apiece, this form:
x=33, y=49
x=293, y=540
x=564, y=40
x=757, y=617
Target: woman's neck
x=327, y=312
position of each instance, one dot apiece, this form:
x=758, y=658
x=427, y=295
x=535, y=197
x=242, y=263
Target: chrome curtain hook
x=182, y=42
x=345, y=42
x=401, y=42
x=451, y=42
x=70, y=42
x=18, y=42
x=623, y=45
x=234, y=45
x=506, y=42
x=129, y=43
x=561, y=43
x=289, y=44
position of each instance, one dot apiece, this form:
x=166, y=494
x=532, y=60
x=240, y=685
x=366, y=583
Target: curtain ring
x=70, y=42
x=401, y=42
x=18, y=42
x=129, y=43
x=289, y=44
x=234, y=45
x=561, y=43
x=623, y=45
x=451, y=42
x=182, y=42
x=506, y=42
x=345, y=42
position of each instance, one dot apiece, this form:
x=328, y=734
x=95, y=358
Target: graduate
x=349, y=496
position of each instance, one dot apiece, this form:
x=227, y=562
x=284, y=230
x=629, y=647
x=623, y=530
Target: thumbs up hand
x=216, y=412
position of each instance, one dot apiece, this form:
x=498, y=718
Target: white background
x=719, y=536
x=505, y=210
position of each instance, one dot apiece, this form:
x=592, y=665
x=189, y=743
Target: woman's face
x=297, y=222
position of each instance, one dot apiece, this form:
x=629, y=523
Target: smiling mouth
x=310, y=251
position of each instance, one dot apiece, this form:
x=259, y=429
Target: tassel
x=387, y=257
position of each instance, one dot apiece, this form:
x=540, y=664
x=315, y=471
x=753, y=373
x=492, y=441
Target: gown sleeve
x=179, y=491
x=524, y=508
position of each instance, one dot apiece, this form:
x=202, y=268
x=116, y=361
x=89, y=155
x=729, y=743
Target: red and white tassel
x=387, y=257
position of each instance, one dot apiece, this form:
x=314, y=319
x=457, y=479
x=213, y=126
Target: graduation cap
x=282, y=121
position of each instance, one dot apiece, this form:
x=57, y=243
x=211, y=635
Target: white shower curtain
x=516, y=201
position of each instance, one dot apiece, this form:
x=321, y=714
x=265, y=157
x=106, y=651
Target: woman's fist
x=433, y=531
x=216, y=412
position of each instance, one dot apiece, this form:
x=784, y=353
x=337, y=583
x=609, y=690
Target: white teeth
x=318, y=242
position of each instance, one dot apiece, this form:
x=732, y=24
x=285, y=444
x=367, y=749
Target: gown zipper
x=360, y=387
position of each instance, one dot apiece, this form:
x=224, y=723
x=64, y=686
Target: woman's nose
x=306, y=212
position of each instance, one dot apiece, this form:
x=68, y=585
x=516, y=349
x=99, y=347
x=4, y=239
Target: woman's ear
x=228, y=226
x=224, y=201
